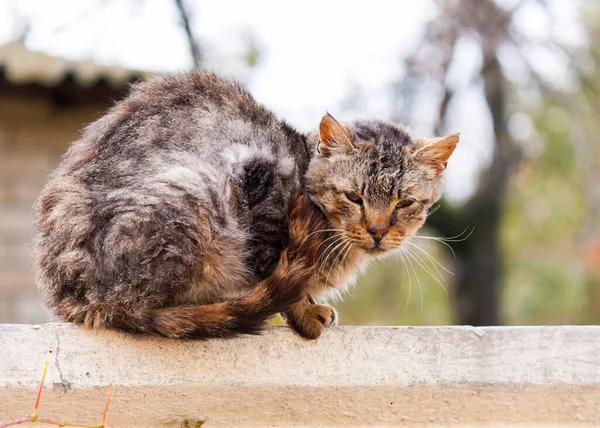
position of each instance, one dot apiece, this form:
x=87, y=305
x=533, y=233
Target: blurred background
x=516, y=239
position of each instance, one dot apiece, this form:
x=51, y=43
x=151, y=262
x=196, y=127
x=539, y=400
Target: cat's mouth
x=380, y=248
x=375, y=250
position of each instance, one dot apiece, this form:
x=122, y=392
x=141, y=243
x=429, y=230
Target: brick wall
x=33, y=136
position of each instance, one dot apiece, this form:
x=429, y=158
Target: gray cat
x=190, y=211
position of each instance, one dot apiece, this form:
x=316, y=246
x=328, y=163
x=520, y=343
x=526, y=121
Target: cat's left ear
x=334, y=138
x=436, y=151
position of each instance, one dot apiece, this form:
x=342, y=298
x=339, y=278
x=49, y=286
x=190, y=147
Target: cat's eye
x=404, y=204
x=354, y=197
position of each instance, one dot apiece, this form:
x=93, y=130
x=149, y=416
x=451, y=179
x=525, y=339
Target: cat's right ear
x=334, y=138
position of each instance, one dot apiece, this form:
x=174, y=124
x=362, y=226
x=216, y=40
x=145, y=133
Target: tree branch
x=193, y=44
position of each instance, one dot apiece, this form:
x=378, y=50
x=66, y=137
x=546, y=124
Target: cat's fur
x=172, y=215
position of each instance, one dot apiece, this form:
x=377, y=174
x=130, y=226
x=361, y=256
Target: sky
x=313, y=54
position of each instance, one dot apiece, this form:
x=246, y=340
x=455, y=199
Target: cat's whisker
x=335, y=261
x=436, y=263
x=409, y=280
x=340, y=264
x=344, y=257
x=444, y=240
x=435, y=239
x=325, y=240
x=423, y=264
x=324, y=266
x=340, y=238
x=416, y=276
x=454, y=238
x=434, y=209
x=460, y=235
x=322, y=231
x=417, y=201
x=398, y=260
x=420, y=262
x=429, y=212
x=337, y=246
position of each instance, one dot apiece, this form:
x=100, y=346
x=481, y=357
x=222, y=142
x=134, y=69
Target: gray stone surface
x=351, y=376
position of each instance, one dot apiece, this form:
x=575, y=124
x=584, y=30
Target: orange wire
x=107, y=403
x=39, y=394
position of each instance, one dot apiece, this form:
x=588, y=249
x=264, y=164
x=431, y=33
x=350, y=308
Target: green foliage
x=546, y=281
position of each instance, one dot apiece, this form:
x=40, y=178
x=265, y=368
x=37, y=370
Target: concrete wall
x=439, y=376
x=33, y=136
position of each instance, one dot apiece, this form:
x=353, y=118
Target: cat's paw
x=313, y=320
x=326, y=315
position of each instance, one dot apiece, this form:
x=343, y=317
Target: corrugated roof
x=21, y=66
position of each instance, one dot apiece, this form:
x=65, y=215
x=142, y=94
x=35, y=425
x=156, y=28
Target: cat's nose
x=378, y=231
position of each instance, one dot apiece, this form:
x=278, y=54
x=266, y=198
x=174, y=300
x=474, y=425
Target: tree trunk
x=477, y=282
x=479, y=259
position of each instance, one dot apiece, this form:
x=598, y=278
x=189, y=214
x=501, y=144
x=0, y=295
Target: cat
x=190, y=211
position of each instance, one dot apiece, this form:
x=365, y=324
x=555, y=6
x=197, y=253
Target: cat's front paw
x=310, y=322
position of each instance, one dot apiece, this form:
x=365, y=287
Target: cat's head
x=374, y=181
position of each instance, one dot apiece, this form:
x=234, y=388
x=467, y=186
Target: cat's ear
x=436, y=151
x=333, y=137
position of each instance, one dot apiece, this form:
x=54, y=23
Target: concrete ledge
x=358, y=376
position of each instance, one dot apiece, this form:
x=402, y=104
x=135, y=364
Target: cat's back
x=198, y=98
x=181, y=111
x=193, y=114
x=179, y=156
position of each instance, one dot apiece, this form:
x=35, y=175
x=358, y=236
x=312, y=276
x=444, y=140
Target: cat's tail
x=242, y=315
x=249, y=313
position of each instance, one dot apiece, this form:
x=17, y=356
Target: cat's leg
x=309, y=318
x=305, y=221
